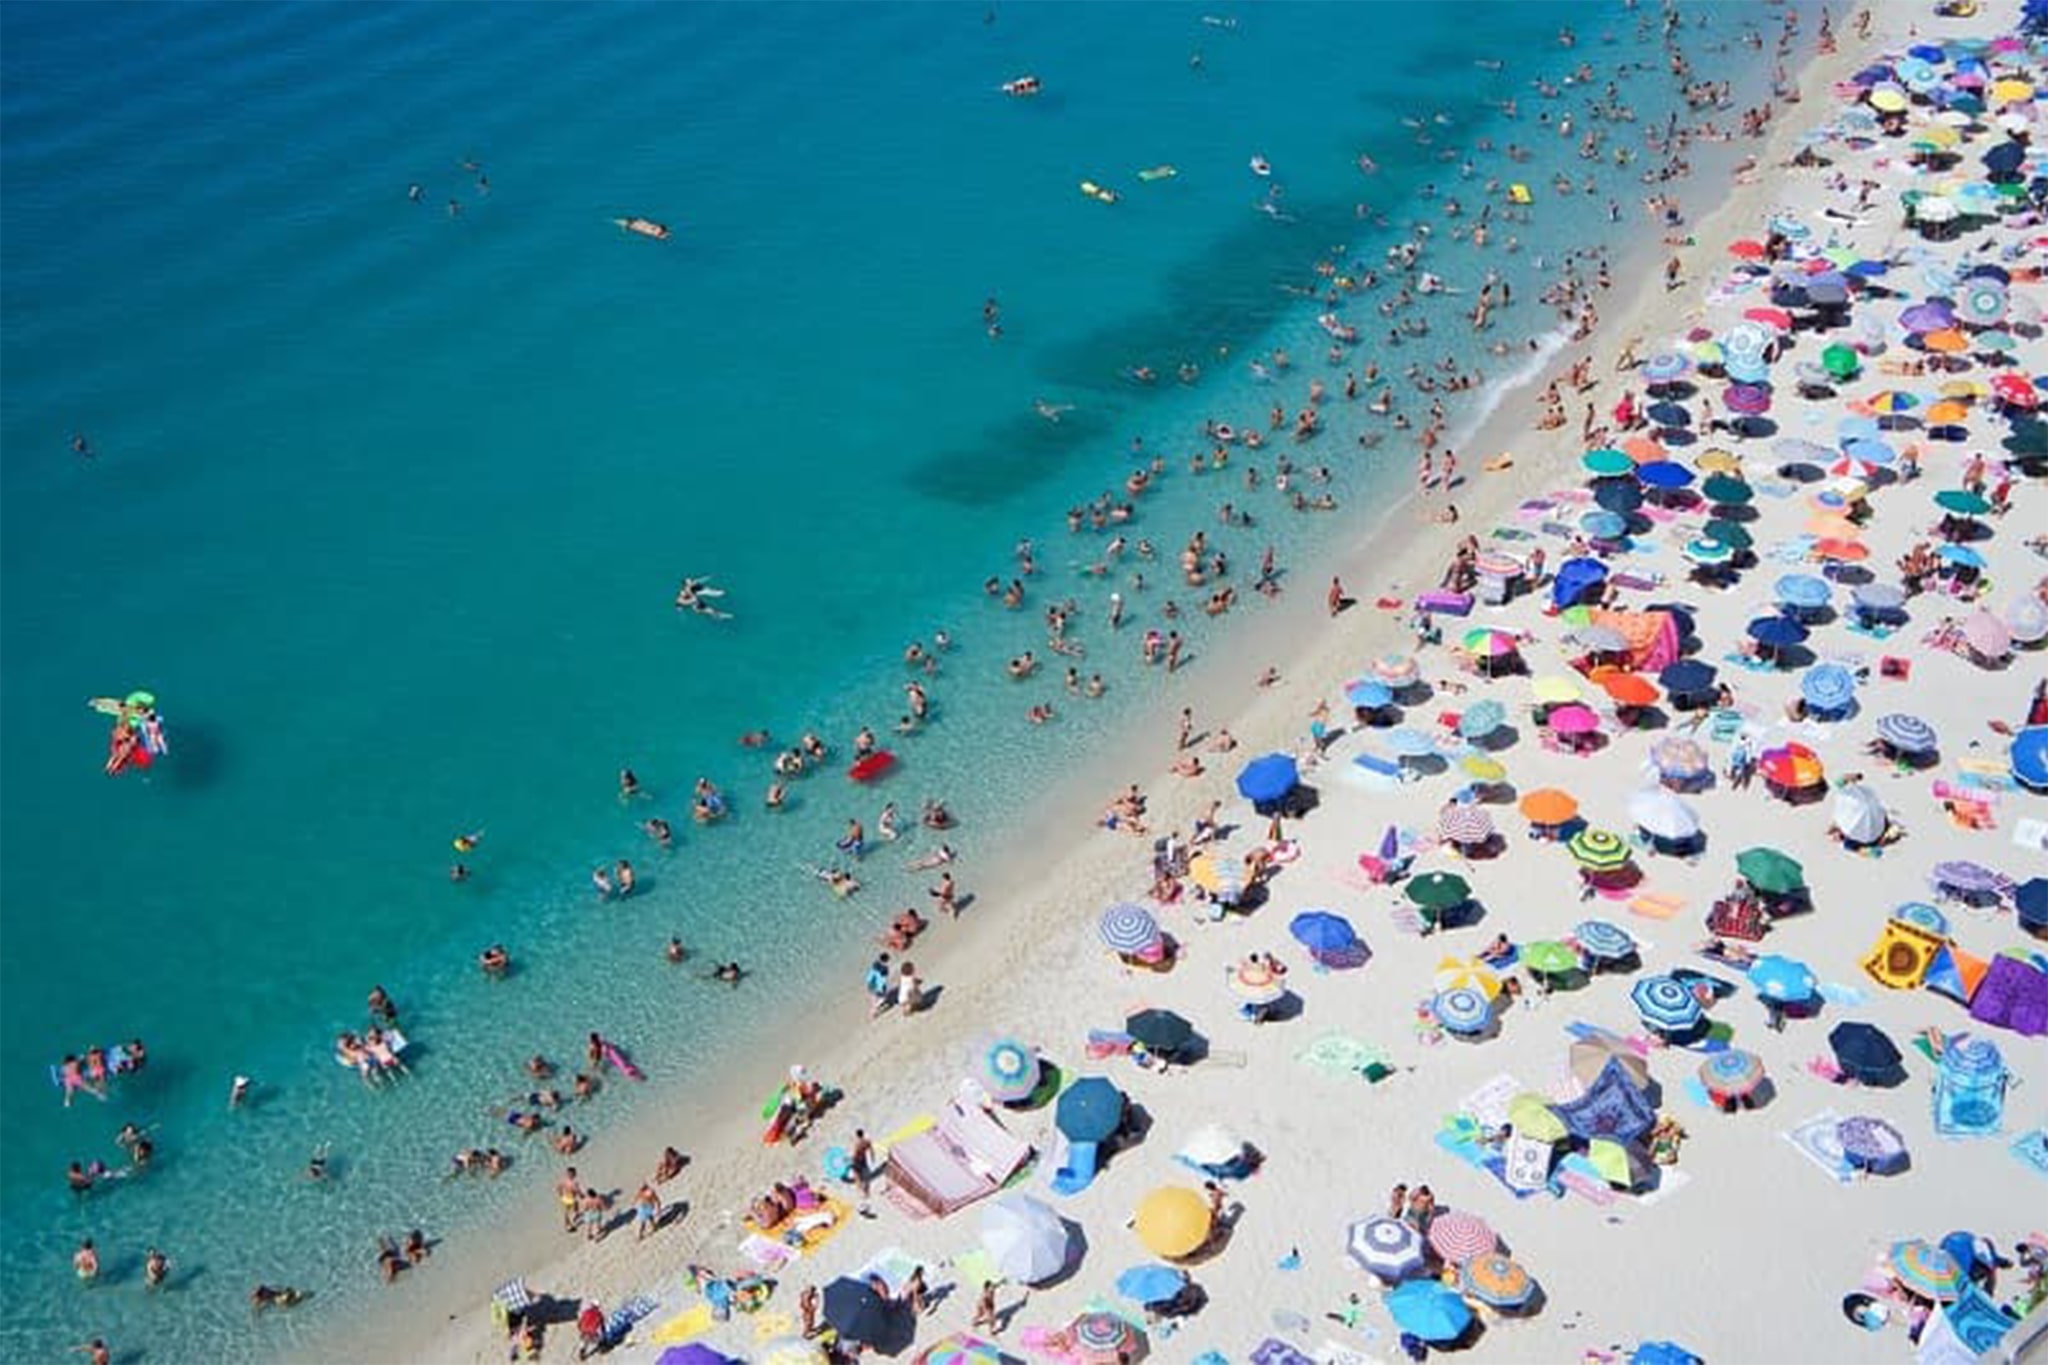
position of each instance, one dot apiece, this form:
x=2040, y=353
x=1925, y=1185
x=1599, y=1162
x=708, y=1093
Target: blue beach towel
x=1077, y=1170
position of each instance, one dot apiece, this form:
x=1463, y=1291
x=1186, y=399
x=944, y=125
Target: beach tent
x=1900, y=957
x=1613, y=1106
x=1576, y=580
x=1955, y=973
x=2014, y=995
x=1591, y=1054
x=965, y=1156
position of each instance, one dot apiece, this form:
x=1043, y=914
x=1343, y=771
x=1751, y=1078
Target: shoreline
x=1056, y=845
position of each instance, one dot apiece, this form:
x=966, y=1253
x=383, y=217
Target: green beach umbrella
x=1724, y=532
x=1962, y=502
x=1770, y=871
x=1548, y=957
x=1840, y=361
x=1726, y=490
x=1438, y=890
x=1598, y=850
x=1531, y=1117
x=1608, y=463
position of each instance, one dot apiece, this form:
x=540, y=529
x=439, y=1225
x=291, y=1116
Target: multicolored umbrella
x=1465, y=824
x=1793, y=767
x=1927, y=1270
x=1009, y=1070
x=1129, y=928
x=1385, y=1247
x=1598, y=850
x=1257, y=984
x=1732, y=1072
x=1497, y=1280
x=1490, y=644
x=1458, y=1236
x=1602, y=940
x=1455, y=973
x=1463, y=1011
x=1103, y=1338
x=1666, y=1004
x=1680, y=758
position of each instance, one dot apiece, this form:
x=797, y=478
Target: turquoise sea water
x=387, y=507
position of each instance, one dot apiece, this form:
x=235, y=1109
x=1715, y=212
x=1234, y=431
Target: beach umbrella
x=1662, y=1353
x=1926, y=1269
x=1268, y=779
x=1604, y=525
x=1828, y=687
x=1848, y=468
x=2030, y=903
x=1150, y=1283
x=1608, y=463
x=1962, y=502
x=1859, y=816
x=2026, y=619
x=962, y=1349
x=1173, y=1221
x=1718, y=461
x=1024, y=1238
x=1949, y=412
x=1482, y=768
x=1664, y=474
x=856, y=1311
x=1598, y=850
x=1621, y=1164
x=2014, y=390
x=1103, y=1338
x=1627, y=689
x=1781, y=978
x=1747, y=249
x=1665, y=366
x=1959, y=557
x=1256, y=984
x=1776, y=632
x=1548, y=957
x=1160, y=1030
x=1643, y=450
x=2028, y=756
x=1661, y=815
x=1438, y=890
x=1368, y=694
x=1395, y=670
x=1871, y=1144
x=1009, y=1070
x=1803, y=590
x=1212, y=1145
x=1549, y=806
x=1921, y=915
x=1429, y=1310
x=1679, y=758
x=1321, y=932
x=1463, y=1011
x=1777, y=319
x=1386, y=1248
x=1551, y=690
x=1458, y=1236
x=1964, y=877
x=1481, y=719
x=1841, y=361
x=1726, y=490
x=1618, y=497
x=1686, y=676
x=695, y=1353
x=1931, y=316
x=1573, y=719
x=1090, y=1110
x=1732, y=1072
x=1497, y=1280
x=1864, y=1051
x=1731, y=534
x=1488, y=643
x=1986, y=635
x=1879, y=596
x=1465, y=824
x=1668, y=414
x=1769, y=871
x=1129, y=928
x=1591, y=1055
x=1598, y=639
x=1666, y=1004
x=1494, y=564
x=1746, y=400
x=1602, y=940
x=1746, y=341
x=1408, y=742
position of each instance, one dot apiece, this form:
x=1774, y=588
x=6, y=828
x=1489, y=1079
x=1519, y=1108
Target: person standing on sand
x=568, y=1191
x=646, y=1212
x=861, y=1166
x=909, y=990
x=1336, y=596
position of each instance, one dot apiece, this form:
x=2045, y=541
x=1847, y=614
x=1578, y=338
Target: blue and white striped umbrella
x=1129, y=928
x=1907, y=734
x=1603, y=525
x=1409, y=742
x=1803, y=590
x=1781, y=978
x=1481, y=719
x=1603, y=940
x=1368, y=694
x=1664, y=367
x=1666, y=1004
x=1880, y=596
x=1828, y=687
x=1462, y=1010
x=1385, y=1247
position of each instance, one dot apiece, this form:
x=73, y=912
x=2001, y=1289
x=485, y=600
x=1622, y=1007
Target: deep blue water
x=387, y=505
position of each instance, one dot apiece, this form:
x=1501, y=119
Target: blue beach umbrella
x=1870, y=450
x=1368, y=694
x=1603, y=525
x=1408, y=742
x=1665, y=474
x=1686, y=676
x=1803, y=590
x=1707, y=552
x=1666, y=1004
x=1781, y=978
x=1481, y=719
x=1663, y=1353
x=1090, y=1110
x=1321, y=931
x=1146, y=1284
x=1620, y=496
x=1602, y=940
x=1608, y=463
x=1907, y=734
x=1828, y=687
x=1129, y=928
x=1269, y=779
x=1921, y=915
x=2029, y=756
x=1962, y=556
x=1665, y=366
x=1668, y=415
x=1429, y=1310
x=1462, y=1009
x=1009, y=1070
x=1880, y=597
x=1776, y=632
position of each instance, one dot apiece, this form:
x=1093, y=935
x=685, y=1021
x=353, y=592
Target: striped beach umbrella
x=1103, y=1338
x=1598, y=850
x=1490, y=644
x=1463, y=1011
x=1927, y=1270
x=1465, y=824
x=1458, y=1236
x=1600, y=939
x=1708, y=553
x=1385, y=1248
x=1496, y=1280
x=1129, y=928
x=962, y=1349
x=1009, y=1070
x=1732, y=1072
x=1481, y=719
x=1257, y=984
x=1828, y=687
x=1666, y=1004
x=1456, y=973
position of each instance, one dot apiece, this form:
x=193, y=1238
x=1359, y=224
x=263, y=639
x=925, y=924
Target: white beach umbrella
x=1859, y=815
x=1663, y=816
x=1027, y=1241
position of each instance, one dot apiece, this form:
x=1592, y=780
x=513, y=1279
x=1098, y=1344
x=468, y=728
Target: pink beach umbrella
x=1574, y=719
x=1458, y=1236
x=1987, y=636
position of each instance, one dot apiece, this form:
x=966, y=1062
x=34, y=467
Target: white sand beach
x=1742, y=1249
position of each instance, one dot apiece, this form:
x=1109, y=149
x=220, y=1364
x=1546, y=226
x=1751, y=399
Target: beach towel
x=1489, y=1103
x=1656, y=905
x=1334, y=1052
x=1817, y=1141
x=1525, y=1165
x=1076, y=1169
x=766, y=1255
x=1577, y=1175
x=692, y=1322
x=625, y=1315
x=2031, y=1149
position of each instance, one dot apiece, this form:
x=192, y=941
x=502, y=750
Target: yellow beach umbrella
x=1965, y=389
x=1452, y=973
x=1553, y=689
x=1718, y=461
x=1173, y=1221
x=2011, y=91
x=1947, y=341
x=1482, y=768
x=1947, y=414
x=1938, y=135
x=1887, y=101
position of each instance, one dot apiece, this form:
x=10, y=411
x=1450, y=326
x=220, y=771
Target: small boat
x=1101, y=194
x=1158, y=173
x=1338, y=330
x=1261, y=166
x=1023, y=87
x=872, y=766
x=646, y=227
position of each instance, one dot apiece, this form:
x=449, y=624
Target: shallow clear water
x=388, y=506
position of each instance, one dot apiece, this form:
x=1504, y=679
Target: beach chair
x=1108, y=1043
x=1075, y=1168
x=508, y=1301
x=1723, y=726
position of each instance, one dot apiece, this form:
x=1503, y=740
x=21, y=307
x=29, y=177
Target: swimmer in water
x=1051, y=412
